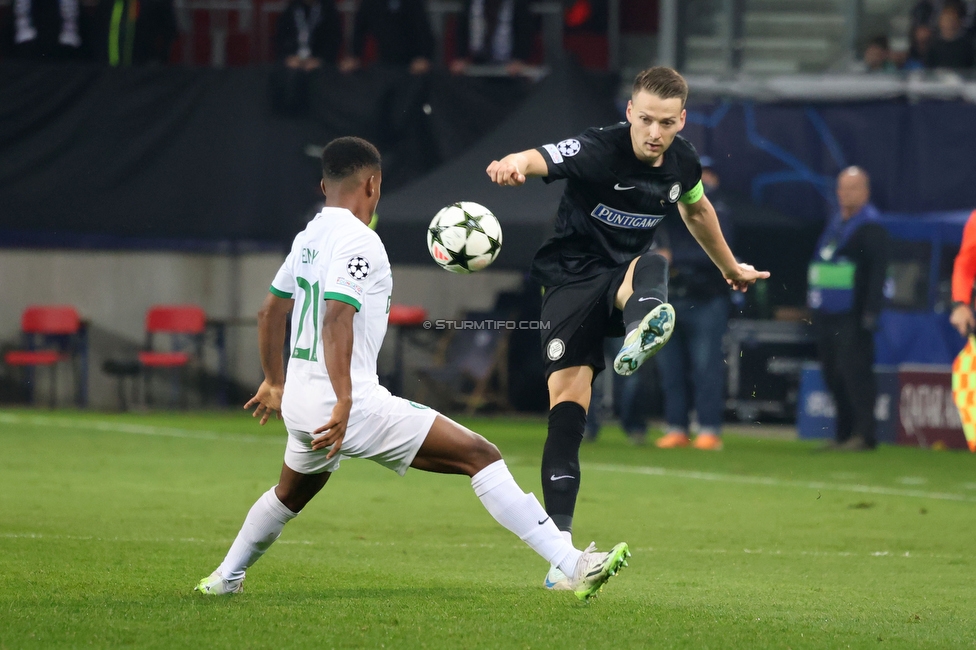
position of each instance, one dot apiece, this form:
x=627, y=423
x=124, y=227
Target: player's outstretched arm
x=271, y=339
x=513, y=169
x=703, y=224
x=337, y=347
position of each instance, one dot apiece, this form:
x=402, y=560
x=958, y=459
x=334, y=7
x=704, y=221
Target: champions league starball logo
x=568, y=148
x=358, y=268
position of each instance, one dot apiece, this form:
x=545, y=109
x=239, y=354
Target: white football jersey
x=336, y=257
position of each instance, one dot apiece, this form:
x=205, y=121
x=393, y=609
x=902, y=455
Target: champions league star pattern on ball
x=464, y=237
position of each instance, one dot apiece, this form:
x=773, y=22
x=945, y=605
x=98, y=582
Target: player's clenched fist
x=506, y=171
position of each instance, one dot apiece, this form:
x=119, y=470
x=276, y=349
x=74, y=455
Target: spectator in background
x=963, y=277
x=585, y=37
x=918, y=50
x=494, y=32
x=308, y=34
x=927, y=12
x=846, y=292
x=402, y=33
x=629, y=398
x=952, y=48
x=877, y=55
x=134, y=32
x=47, y=29
x=693, y=362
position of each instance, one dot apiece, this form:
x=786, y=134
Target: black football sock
x=560, y=462
x=650, y=289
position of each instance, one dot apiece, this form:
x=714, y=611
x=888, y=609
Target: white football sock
x=261, y=528
x=568, y=536
x=522, y=514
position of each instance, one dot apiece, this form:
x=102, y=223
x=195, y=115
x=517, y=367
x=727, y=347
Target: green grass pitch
x=108, y=521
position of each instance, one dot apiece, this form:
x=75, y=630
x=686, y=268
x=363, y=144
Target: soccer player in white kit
x=337, y=284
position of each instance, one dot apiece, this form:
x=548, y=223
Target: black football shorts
x=580, y=315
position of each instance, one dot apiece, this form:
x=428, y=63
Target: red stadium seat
x=407, y=315
x=52, y=334
x=164, y=359
x=34, y=357
x=404, y=318
x=186, y=325
x=51, y=319
x=176, y=319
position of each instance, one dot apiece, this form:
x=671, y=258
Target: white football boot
x=556, y=580
x=594, y=569
x=644, y=342
x=215, y=585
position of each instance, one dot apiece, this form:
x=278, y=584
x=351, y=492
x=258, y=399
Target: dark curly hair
x=346, y=156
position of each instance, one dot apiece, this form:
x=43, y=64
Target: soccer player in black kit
x=598, y=277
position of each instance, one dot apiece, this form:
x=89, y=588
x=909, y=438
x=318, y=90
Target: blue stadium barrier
x=816, y=410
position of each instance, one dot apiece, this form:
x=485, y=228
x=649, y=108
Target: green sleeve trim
x=693, y=195
x=279, y=292
x=341, y=297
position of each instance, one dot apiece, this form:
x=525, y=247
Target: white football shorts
x=384, y=428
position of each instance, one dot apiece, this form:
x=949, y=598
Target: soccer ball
x=464, y=237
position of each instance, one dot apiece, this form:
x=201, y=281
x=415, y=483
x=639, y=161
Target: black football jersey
x=613, y=202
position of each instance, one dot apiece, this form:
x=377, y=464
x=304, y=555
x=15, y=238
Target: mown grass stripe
x=133, y=429
x=769, y=481
x=641, y=549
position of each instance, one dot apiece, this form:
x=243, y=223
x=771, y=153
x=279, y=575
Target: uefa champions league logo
x=358, y=268
x=569, y=148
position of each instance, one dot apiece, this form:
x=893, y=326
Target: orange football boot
x=708, y=441
x=672, y=440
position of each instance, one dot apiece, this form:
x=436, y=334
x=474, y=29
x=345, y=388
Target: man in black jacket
x=953, y=47
x=846, y=291
x=401, y=30
x=494, y=32
x=48, y=30
x=308, y=34
x=692, y=366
